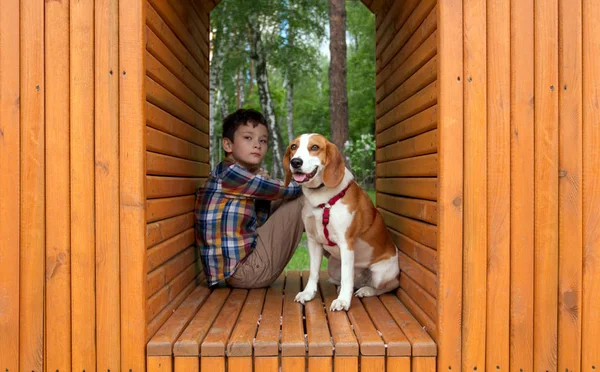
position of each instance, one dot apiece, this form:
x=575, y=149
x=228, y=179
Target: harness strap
x=326, y=207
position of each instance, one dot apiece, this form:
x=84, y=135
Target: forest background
x=274, y=56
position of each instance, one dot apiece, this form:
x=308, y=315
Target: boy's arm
x=239, y=180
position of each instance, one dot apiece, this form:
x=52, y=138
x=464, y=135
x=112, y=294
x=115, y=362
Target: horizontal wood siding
x=407, y=146
x=176, y=149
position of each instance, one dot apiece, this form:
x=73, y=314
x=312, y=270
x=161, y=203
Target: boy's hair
x=242, y=116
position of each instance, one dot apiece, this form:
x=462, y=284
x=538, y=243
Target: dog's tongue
x=300, y=177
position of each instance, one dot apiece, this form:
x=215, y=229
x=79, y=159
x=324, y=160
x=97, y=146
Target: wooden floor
x=264, y=329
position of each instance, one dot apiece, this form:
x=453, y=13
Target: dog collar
x=326, y=207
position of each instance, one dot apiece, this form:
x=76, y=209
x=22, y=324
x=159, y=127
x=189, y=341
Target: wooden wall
x=407, y=146
x=177, y=69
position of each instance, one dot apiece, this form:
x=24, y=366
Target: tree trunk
x=290, y=108
x=338, y=95
x=216, y=73
x=240, y=88
x=262, y=82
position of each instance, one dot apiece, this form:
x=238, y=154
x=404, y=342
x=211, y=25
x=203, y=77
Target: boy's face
x=249, y=145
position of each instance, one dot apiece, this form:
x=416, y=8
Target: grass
x=300, y=260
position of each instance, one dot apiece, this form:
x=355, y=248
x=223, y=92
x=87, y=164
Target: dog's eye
x=314, y=148
x=293, y=147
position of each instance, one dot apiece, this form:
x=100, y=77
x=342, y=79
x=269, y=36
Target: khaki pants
x=276, y=243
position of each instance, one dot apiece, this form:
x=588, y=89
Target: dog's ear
x=334, y=166
x=286, y=166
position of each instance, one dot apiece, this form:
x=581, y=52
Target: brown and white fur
x=365, y=255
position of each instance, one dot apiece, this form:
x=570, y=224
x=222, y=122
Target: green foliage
x=360, y=151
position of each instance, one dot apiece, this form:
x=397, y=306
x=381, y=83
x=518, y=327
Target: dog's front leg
x=315, y=252
x=347, y=277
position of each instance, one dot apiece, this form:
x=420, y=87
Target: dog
x=339, y=217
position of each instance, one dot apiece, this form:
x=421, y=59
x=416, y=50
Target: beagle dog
x=339, y=217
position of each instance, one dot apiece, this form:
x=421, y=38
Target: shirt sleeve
x=238, y=180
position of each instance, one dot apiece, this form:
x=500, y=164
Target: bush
x=361, y=153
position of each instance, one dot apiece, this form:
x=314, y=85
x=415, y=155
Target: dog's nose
x=296, y=163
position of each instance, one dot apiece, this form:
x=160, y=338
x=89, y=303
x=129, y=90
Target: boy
x=242, y=239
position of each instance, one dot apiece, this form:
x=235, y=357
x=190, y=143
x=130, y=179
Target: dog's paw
x=365, y=291
x=339, y=305
x=305, y=296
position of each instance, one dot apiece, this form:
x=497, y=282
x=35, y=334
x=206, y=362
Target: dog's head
x=312, y=160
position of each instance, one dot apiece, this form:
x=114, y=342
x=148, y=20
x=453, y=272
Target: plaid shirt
x=229, y=207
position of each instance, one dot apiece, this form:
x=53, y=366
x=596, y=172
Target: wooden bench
x=236, y=329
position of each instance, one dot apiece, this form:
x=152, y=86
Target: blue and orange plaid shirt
x=230, y=206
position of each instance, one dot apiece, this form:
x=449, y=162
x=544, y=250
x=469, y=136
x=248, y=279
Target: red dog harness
x=326, y=207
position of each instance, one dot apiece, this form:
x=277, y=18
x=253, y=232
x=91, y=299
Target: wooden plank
x=163, y=121
x=345, y=363
x=169, y=16
x=168, y=37
x=397, y=364
x=162, y=53
x=240, y=342
x=187, y=364
x=160, y=363
x=385, y=36
x=162, y=342
x=159, y=209
x=165, y=187
x=416, y=231
x=292, y=328
x=158, y=232
x=344, y=340
x=132, y=14
x=423, y=210
x=420, y=123
x=450, y=134
x=163, y=316
x=385, y=20
x=158, y=278
x=411, y=25
x=422, y=188
x=163, y=165
x=420, y=253
x=161, y=97
x=58, y=221
x=159, y=300
x=162, y=252
x=106, y=138
x=424, y=300
x=422, y=144
x=411, y=51
x=266, y=364
x=417, y=166
x=163, y=143
x=192, y=23
x=368, y=339
x=316, y=363
x=317, y=330
x=498, y=187
x=190, y=340
x=412, y=305
x=32, y=185
x=372, y=363
x=475, y=185
x=242, y=364
x=83, y=299
x=216, y=364
x=216, y=340
x=425, y=278
x=546, y=186
x=159, y=73
x=591, y=186
x=570, y=193
x=396, y=342
x=413, y=83
x=267, y=337
x=522, y=189
x=423, y=365
x=293, y=364
x=10, y=159
x=420, y=101
x=421, y=342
